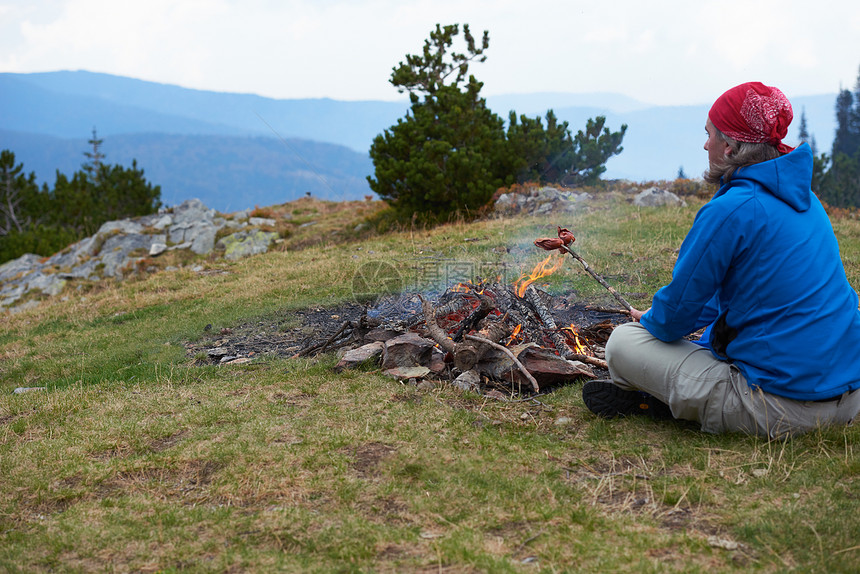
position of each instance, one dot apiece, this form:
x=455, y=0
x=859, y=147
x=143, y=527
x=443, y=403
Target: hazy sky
x=662, y=52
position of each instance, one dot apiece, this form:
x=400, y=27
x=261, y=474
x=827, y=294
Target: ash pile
x=484, y=337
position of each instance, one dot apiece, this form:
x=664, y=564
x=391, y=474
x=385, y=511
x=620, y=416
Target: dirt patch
x=110, y=454
x=167, y=442
x=291, y=399
x=384, y=510
x=367, y=457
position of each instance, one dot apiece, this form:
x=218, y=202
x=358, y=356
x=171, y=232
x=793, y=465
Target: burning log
x=484, y=308
x=466, y=355
x=546, y=318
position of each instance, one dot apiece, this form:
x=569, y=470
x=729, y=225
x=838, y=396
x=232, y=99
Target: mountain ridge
x=68, y=105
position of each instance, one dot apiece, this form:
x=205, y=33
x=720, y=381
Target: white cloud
x=670, y=51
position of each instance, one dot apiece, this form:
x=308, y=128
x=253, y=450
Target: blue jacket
x=761, y=268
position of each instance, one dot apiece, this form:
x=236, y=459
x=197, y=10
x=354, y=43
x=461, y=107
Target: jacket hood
x=788, y=177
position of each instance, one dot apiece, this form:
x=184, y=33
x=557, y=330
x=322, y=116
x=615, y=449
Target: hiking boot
x=609, y=401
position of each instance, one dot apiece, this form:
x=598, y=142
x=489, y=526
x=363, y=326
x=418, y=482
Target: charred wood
x=433, y=329
x=484, y=308
x=546, y=318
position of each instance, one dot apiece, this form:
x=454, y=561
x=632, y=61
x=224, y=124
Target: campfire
x=485, y=333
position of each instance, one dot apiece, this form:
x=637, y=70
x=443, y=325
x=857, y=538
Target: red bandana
x=753, y=113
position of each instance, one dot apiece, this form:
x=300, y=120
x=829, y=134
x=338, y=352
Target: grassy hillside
x=138, y=459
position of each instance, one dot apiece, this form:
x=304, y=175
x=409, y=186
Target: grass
x=137, y=460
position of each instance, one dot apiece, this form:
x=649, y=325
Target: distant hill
x=227, y=173
x=231, y=149
x=133, y=106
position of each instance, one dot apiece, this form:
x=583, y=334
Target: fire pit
x=485, y=333
x=477, y=335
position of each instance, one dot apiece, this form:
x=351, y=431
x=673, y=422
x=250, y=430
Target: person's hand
x=636, y=314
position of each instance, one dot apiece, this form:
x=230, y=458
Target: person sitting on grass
x=760, y=268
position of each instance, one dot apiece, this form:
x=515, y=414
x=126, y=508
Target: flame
x=542, y=269
x=576, y=341
x=468, y=287
x=515, y=336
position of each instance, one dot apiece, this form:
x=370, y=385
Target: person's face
x=716, y=146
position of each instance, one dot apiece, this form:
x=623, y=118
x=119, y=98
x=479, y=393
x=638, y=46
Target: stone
x=437, y=361
x=426, y=385
x=217, y=352
x=25, y=263
x=548, y=193
x=468, y=381
x=157, y=249
x=364, y=354
x=202, y=239
x=50, y=284
x=21, y=390
x=123, y=226
x=407, y=372
x=408, y=350
x=725, y=544
x=497, y=395
x=261, y=222
x=120, y=246
x=245, y=243
x=380, y=334
x=162, y=222
x=656, y=197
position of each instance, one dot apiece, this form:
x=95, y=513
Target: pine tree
x=45, y=221
x=539, y=154
x=593, y=147
x=845, y=140
x=95, y=157
x=840, y=184
x=451, y=153
x=14, y=189
x=448, y=154
x=803, y=135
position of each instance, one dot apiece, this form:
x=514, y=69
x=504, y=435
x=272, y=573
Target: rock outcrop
x=541, y=201
x=656, y=197
x=119, y=247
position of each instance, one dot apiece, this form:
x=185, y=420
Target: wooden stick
x=508, y=352
x=322, y=346
x=433, y=328
x=608, y=310
x=590, y=360
x=599, y=279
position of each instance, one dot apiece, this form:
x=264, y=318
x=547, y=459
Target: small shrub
x=264, y=212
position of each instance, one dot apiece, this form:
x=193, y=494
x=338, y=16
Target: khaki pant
x=699, y=387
